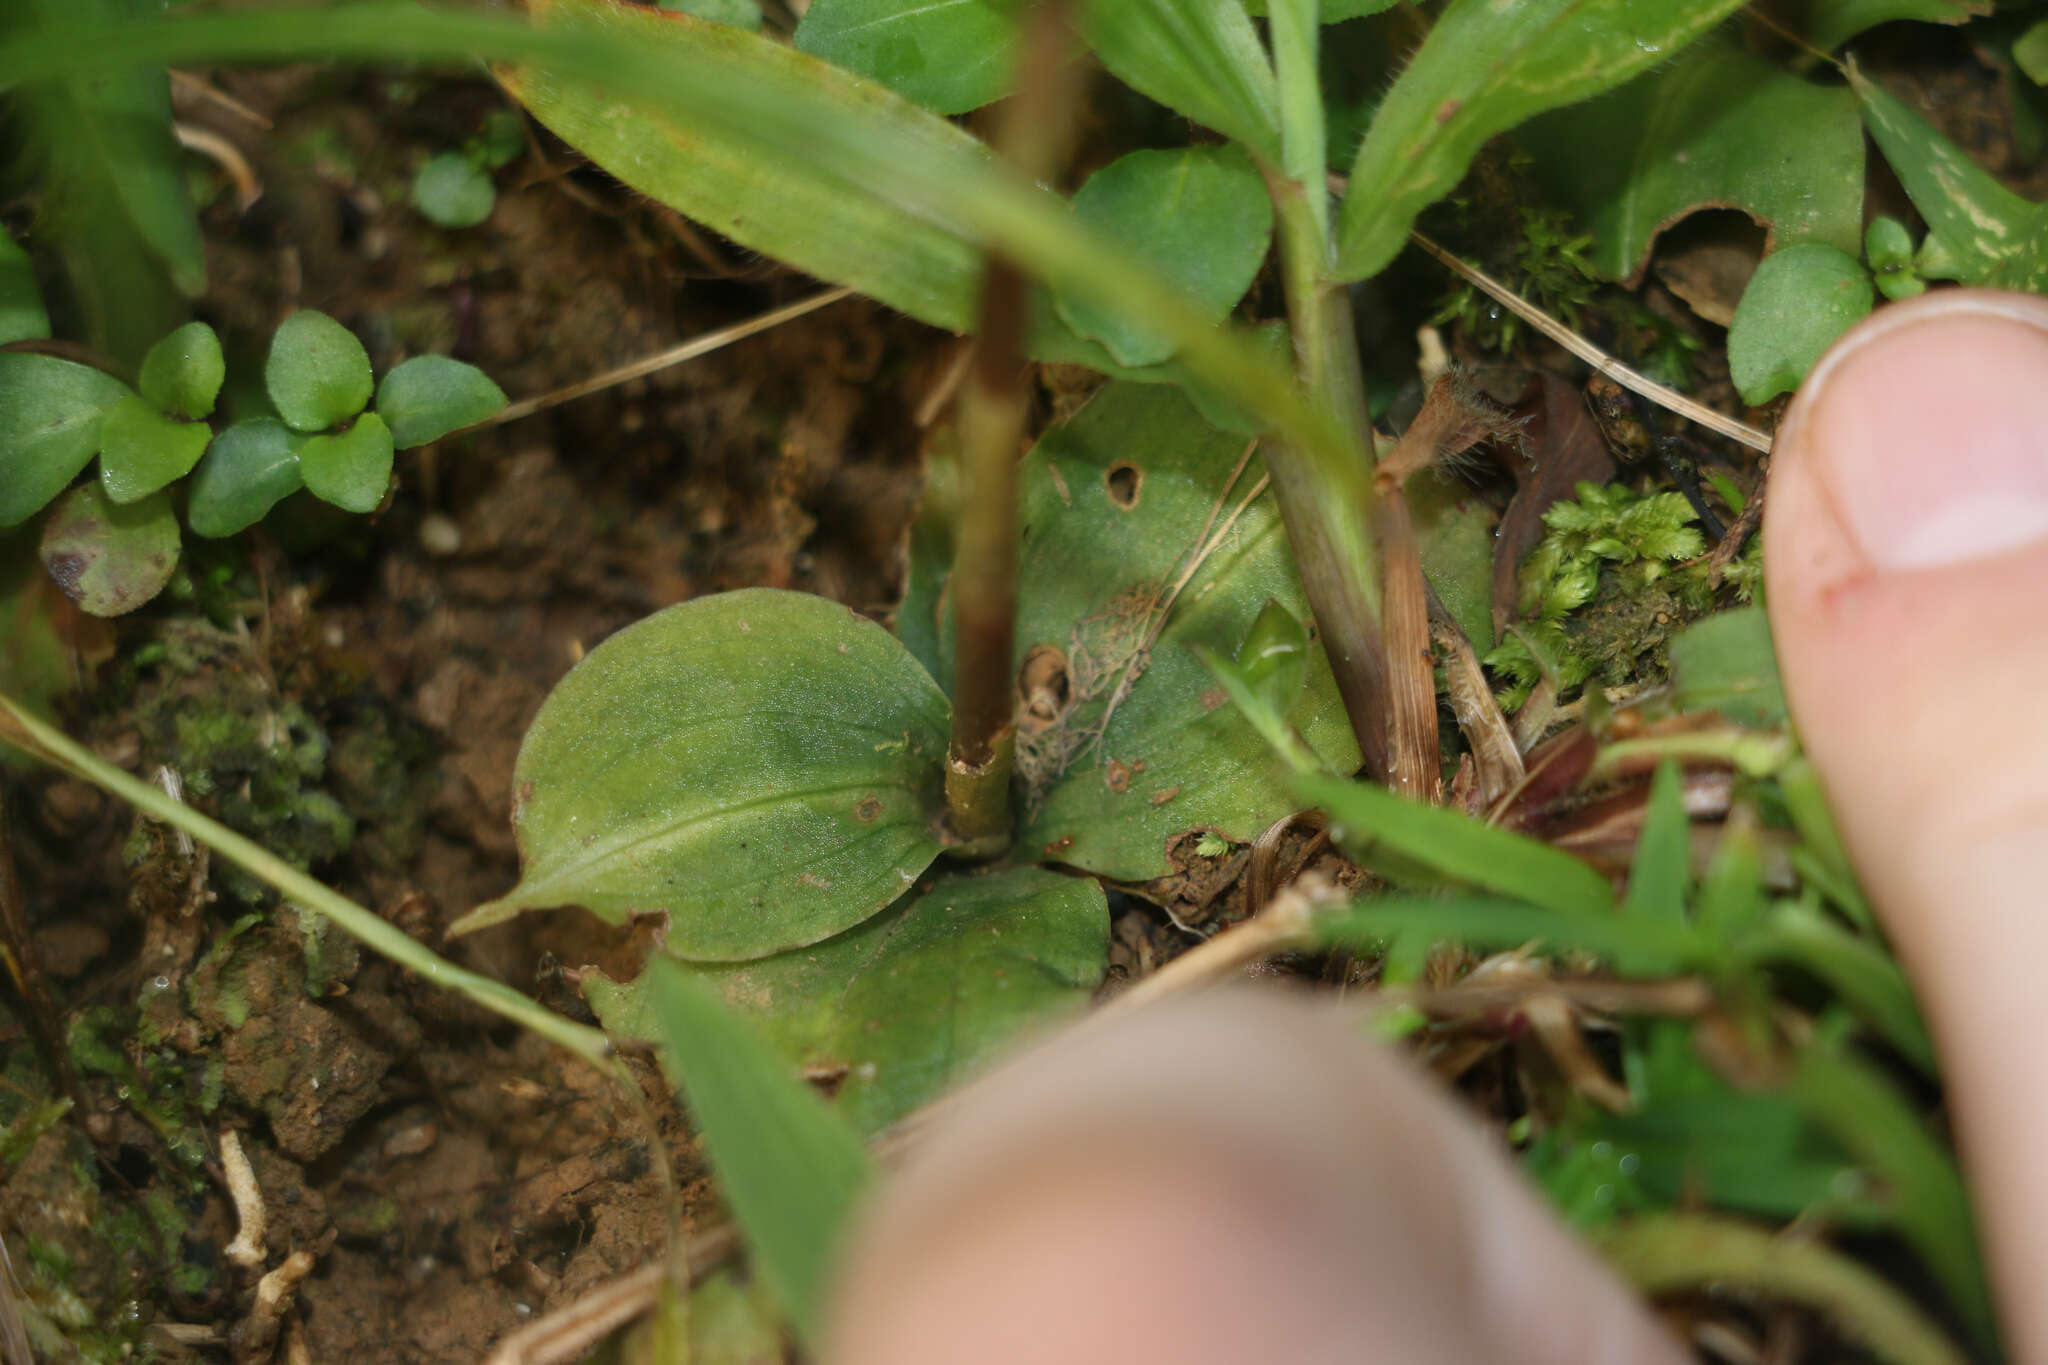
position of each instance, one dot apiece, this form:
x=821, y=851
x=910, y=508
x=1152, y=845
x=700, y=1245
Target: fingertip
x=1906, y=553
x=1218, y=1180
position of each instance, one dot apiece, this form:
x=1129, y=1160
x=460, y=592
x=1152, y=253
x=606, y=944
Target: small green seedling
x=1888, y=251
x=112, y=544
x=454, y=189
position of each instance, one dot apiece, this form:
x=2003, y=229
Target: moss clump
x=1619, y=574
x=302, y=785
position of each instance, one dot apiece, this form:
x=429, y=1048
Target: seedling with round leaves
x=453, y=189
x=57, y=416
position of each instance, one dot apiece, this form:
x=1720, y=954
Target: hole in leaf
x=1124, y=480
x=1044, y=691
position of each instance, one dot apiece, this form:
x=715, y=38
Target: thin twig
x=213, y=94
x=1585, y=350
x=226, y=155
x=675, y=355
x=569, y=1332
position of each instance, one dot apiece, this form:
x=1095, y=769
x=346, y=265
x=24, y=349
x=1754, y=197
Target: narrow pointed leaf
x=774, y=205
x=50, y=414
x=110, y=185
x=1200, y=57
x=1827, y=24
x=1989, y=235
x=1458, y=846
x=1485, y=68
x=1663, y=863
x=763, y=767
x=1485, y=924
x=790, y=1168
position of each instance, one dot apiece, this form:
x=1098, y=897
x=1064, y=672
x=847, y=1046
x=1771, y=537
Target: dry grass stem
x=1497, y=758
x=661, y=360
x=1660, y=394
x=226, y=155
x=570, y=1332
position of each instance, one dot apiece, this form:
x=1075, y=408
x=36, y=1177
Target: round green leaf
x=453, y=191
x=763, y=767
x=429, y=396
x=950, y=57
x=318, y=374
x=141, y=449
x=1797, y=303
x=247, y=470
x=50, y=412
x=351, y=469
x=1200, y=214
x=918, y=996
x=182, y=373
x=110, y=557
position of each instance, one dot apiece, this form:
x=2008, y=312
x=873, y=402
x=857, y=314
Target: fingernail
x=1928, y=426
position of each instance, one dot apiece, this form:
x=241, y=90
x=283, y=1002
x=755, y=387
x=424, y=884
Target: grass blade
x=789, y=1166
x=1459, y=847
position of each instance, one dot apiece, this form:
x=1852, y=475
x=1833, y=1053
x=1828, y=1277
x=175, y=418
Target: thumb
x=1906, y=548
x=1216, y=1180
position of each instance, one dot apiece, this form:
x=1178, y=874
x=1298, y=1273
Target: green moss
x=266, y=766
x=1618, y=574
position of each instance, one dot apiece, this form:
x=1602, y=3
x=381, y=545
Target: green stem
x=1324, y=498
x=1675, y=1253
x=1296, y=29
x=1033, y=133
x=19, y=726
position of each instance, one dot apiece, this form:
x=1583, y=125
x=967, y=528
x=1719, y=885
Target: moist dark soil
x=353, y=692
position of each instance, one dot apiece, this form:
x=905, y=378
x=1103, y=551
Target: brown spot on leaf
x=1161, y=798
x=813, y=880
x=1213, y=698
x=869, y=808
x=1448, y=110
x=65, y=570
x=1117, y=775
